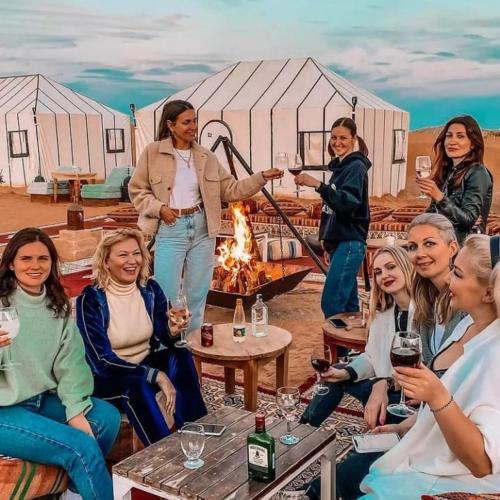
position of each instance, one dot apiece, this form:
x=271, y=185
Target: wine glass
x=9, y=322
x=406, y=350
x=288, y=400
x=281, y=162
x=296, y=169
x=192, y=444
x=423, y=168
x=179, y=315
x=321, y=359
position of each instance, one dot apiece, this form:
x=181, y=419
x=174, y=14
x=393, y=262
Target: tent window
x=313, y=149
x=115, y=140
x=18, y=144
x=398, y=150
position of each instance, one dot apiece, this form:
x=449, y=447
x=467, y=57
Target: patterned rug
x=347, y=420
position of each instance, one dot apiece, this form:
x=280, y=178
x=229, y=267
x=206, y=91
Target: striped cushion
x=22, y=480
x=292, y=249
x=459, y=495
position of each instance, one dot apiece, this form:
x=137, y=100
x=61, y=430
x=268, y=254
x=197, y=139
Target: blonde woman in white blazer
x=365, y=378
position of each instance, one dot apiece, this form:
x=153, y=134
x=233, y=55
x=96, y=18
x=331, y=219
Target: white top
x=130, y=327
x=422, y=462
x=186, y=190
x=437, y=337
x=376, y=360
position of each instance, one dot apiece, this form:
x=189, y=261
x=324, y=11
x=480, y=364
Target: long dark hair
x=57, y=299
x=442, y=163
x=349, y=124
x=171, y=111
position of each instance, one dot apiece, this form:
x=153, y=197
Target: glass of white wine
x=423, y=168
x=9, y=322
x=179, y=315
x=281, y=162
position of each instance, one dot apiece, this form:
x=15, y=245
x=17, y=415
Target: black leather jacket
x=463, y=204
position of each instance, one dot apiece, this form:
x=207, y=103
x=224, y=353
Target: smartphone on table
x=213, y=429
x=373, y=443
x=338, y=323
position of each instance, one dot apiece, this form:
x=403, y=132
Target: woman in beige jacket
x=177, y=188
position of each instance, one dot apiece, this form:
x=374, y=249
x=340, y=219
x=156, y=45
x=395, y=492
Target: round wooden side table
x=354, y=337
x=248, y=356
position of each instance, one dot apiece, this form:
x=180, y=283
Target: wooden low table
x=353, y=338
x=73, y=177
x=248, y=356
x=159, y=468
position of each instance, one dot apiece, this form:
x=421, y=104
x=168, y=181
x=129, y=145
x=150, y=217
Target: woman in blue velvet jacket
x=129, y=346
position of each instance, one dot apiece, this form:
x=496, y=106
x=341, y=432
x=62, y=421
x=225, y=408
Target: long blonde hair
x=495, y=281
x=380, y=301
x=100, y=271
x=425, y=295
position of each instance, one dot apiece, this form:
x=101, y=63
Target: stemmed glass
x=9, y=322
x=192, y=444
x=296, y=169
x=321, y=360
x=179, y=315
x=288, y=400
x=423, y=168
x=406, y=350
x=281, y=162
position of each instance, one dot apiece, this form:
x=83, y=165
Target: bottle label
x=239, y=331
x=257, y=455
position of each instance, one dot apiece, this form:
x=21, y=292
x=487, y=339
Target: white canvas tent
x=44, y=125
x=289, y=106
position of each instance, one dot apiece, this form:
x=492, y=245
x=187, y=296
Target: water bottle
x=259, y=318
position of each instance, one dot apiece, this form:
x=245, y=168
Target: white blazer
x=376, y=360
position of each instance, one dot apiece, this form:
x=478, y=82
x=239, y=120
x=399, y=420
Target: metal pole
x=229, y=145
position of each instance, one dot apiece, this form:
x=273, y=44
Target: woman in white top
x=365, y=378
x=454, y=444
x=177, y=188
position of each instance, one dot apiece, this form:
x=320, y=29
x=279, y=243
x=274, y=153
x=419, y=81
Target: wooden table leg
x=282, y=369
x=250, y=375
x=197, y=364
x=229, y=380
x=55, y=190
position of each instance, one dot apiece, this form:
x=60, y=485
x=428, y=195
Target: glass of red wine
x=406, y=350
x=321, y=360
x=295, y=169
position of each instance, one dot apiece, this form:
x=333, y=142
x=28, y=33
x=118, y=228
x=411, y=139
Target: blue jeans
x=186, y=245
x=340, y=293
x=36, y=430
x=320, y=408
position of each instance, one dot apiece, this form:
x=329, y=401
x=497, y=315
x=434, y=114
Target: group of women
x=58, y=405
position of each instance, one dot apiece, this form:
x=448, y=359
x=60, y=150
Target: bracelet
x=441, y=408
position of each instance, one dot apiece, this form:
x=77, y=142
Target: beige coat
x=154, y=178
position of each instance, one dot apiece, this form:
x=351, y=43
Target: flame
x=236, y=252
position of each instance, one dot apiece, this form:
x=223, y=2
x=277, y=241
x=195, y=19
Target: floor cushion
x=292, y=249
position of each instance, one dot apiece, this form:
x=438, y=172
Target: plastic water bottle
x=260, y=317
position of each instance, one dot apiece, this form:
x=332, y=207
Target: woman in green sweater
x=46, y=412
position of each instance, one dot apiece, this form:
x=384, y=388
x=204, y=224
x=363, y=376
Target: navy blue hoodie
x=346, y=213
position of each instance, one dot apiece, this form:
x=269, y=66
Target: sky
x=433, y=58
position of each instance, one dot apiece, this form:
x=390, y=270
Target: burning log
x=239, y=272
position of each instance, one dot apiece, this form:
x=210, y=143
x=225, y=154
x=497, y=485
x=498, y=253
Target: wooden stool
x=354, y=337
x=248, y=356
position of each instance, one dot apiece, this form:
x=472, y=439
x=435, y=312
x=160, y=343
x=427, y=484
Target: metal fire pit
x=279, y=284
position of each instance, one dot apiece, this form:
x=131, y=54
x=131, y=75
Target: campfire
x=239, y=270
x=241, y=274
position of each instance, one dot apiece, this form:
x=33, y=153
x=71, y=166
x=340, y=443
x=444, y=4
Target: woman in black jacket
x=461, y=186
x=345, y=216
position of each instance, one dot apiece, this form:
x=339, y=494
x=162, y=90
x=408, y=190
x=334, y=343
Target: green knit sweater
x=52, y=358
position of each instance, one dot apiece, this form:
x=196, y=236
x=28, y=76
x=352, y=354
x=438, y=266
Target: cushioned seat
x=47, y=188
x=111, y=189
x=20, y=479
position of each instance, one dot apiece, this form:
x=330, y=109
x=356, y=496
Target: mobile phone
x=213, y=429
x=372, y=443
x=338, y=323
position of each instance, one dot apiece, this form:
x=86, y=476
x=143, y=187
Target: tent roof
x=285, y=83
x=20, y=94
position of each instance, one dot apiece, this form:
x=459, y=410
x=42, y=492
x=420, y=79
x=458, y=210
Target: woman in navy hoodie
x=345, y=216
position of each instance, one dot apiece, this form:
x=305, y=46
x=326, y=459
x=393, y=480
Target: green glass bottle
x=261, y=452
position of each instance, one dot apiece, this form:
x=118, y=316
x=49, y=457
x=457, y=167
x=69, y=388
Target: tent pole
x=228, y=145
x=39, y=177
